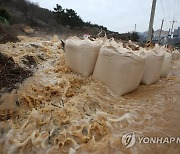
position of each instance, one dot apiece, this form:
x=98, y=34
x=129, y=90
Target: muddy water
x=57, y=111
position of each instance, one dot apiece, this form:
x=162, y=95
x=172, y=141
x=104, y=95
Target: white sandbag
x=112, y=42
x=108, y=42
x=120, y=72
x=152, y=68
x=166, y=64
x=81, y=55
x=176, y=55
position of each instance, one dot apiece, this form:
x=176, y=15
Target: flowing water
x=57, y=111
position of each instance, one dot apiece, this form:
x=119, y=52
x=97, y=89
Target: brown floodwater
x=57, y=111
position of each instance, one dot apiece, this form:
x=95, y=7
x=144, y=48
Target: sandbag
x=120, y=72
x=152, y=68
x=81, y=55
x=176, y=55
x=166, y=64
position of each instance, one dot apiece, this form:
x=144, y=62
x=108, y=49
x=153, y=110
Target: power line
x=178, y=6
x=168, y=11
x=164, y=14
x=174, y=10
x=177, y=13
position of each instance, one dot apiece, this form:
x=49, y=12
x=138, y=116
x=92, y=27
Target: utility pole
x=172, y=26
x=149, y=38
x=135, y=28
x=161, y=30
x=169, y=33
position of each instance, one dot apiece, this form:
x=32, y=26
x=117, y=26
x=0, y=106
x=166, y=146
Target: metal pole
x=149, y=38
x=172, y=27
x=135, y=28
x=161, y=30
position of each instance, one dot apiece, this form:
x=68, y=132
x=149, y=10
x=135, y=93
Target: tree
x=32, y=9
x=59, y=14
x=67, y=17
x=4, y=14
x=134, y=37
x=22, y=5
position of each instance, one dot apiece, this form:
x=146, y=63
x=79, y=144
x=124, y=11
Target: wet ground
x=8, y=38
x=57, y=111
x=11, y=73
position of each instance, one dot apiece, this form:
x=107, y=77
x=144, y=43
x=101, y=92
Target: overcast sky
x=121, y=15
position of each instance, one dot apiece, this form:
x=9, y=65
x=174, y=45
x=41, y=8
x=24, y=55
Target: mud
x=57, y=111
x=8, y=38
x=29, y=61
x=11, y=73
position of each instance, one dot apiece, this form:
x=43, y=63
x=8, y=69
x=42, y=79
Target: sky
x=121, y=15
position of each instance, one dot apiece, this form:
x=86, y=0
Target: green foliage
x=22, y=5
x=129, y=36
x=67, y=17
x=134, y=37
x=2, y=20
x=4, y=14
x=25, y=11
x=70, y=17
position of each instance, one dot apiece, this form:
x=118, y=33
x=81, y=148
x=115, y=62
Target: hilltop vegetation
x=60, y=20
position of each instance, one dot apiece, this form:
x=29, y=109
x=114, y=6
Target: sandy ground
x=57, y=111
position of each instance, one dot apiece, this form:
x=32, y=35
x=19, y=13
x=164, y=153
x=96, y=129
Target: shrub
x=4, y=13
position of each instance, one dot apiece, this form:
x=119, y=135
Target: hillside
x=61, y=21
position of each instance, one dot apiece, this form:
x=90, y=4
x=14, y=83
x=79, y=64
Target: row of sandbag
x=176, y=54
x=119, y=68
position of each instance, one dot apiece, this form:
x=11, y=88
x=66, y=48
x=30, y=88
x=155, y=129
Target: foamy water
x=61, y=112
